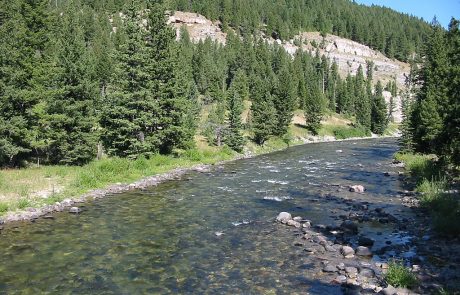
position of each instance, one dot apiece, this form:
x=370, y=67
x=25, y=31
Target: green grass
x=3, y=208
x=420, y=166
x=432, y=184
x=400, y=276
x=60, y=182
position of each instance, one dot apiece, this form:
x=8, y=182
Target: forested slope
x=83, y=78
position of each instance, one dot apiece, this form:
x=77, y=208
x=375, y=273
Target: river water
x=208, y=233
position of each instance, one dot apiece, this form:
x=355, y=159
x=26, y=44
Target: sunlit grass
x=400, y=276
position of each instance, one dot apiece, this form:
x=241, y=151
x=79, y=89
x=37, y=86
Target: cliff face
x=348, y=55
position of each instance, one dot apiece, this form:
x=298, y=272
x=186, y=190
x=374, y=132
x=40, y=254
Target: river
x=207, y=233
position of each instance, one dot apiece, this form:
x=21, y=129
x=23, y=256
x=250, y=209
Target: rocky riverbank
x=344, y=256
x=71, y=204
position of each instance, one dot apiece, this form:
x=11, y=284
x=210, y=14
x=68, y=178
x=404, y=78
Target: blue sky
x=443, y=9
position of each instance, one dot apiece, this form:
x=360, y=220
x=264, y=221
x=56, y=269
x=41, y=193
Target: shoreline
x=32, y=213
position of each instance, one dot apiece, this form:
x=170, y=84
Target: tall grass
x=347, y=132
x=400, y=276
x=432, y=185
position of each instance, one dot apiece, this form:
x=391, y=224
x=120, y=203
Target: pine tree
x=24, y=39
x=70, y=112
x=379, y=116
x=362, y=103
x=131, y=111
x=234, y=137
x=263, y=114
x=284, y=99
x=432, y=101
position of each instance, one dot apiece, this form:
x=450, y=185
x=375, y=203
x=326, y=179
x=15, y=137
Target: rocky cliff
x=348, y=55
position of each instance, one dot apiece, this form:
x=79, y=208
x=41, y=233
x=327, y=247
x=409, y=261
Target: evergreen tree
x=70, y=112
x=24, y=39
x=284, y=99
x=379, y=117
x=234, y=137
x=432, y=101
x=362, y=103
x=263, y=114
x=131, y=112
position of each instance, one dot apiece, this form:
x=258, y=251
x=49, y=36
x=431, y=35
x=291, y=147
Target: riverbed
x=210, y=232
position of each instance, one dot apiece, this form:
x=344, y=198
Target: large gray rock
x=284, y=217
x=347, y=251
x=363, y=251
x=329, y=268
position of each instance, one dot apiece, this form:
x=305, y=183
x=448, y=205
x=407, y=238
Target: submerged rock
x=365, y=241
x=284, y=217
x=349, y=226
x=74, y=210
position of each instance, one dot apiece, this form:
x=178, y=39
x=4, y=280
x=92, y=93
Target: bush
x=23, y=203
x=3, y=207
x=347, y=132
x=400, y=276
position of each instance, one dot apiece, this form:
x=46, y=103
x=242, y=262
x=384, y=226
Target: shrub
x=400, y=276
x=346, y=132
x=23, y=203
x=3, y=207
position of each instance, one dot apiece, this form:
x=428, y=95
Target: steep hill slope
x=348, y=54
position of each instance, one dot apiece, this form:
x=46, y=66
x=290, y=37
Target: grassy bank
x=38, y=186
x=433, y=185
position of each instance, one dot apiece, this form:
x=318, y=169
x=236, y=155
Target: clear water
x=209, y=233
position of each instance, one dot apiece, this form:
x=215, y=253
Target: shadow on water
x=211, y=233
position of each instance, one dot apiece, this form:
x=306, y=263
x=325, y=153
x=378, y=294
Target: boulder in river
x=365, y=241
x=363, y=251
x=347, y=251
x=357, y=188
x=349, y=226
x=284, y=217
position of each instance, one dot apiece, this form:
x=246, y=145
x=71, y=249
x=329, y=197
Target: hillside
x=348, y=54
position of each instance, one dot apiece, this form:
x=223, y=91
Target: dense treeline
x=76, y=82
x=432, y=119
x=395, y=34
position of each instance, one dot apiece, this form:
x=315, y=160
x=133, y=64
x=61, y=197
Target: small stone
x=363, y=251
x=351, y=270
x=329, y=268
x=329, y=248
x=284, y=217
x=347, y=251
x=74, y=210
x=341, y=266
x=320, y=240
x=387, y=174
x=340, y=279
x=357, y=188
x=48, y=217
x=306, y=224
x=297, y=218
x=390, y=290
x=293, y=223
x=365, y=241
x=367, y=273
